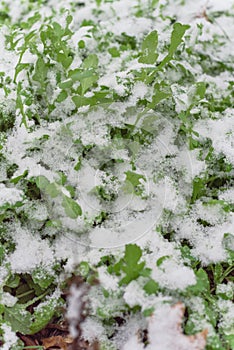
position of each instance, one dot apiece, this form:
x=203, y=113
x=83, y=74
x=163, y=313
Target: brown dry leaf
x=197, y=341
x=164, y=332
x=57, y=341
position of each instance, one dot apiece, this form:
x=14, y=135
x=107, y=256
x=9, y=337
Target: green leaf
x=16, y=179
x=230, y=339
x=134, y=178
x=149, y=46
x=66, y=84
x=19, y=68
x=132, y=182
x=52, y=190
x=49, y=188
x=42, y=315
x=64, y=59
x=84, y=268
x=159, y=95
x=86, y=78
x=148, y=312
x=90, y=62
x=42, y=182
x=162, y=259
x=62, y=96
x=72, y=208
x=13, y=281
x=130, y=264
x=114, y=52
x=83, y=101
x=151, y=287
x=81, y=44
x=198, y=189
x=19, y=319
x=58, y=30
x=228, y=244
x=176, y=38
x=202, y=285
x=86, y=83
x=201, y=89
x=69, y=19
x=41, y=71
x=41, y=277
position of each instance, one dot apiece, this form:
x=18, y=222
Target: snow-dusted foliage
x=116, y=164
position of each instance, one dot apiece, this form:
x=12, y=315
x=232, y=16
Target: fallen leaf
x=57, y=341
x=165, y=332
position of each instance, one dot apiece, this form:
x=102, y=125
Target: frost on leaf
x=165, y=332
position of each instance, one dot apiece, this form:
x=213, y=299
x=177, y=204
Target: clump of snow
x=227, y=195
x=8, y=299
x=173, y=275
x=10, y=337
x=10, y=195
x=30, y=251
x=92, y=330
x=221, y=133
x=108, y=282
x=227, y=320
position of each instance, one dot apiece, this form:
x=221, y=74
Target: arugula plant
x=143, y=84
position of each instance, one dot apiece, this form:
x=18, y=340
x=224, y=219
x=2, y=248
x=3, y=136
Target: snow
x=9, y=195
x=173, y=275
x=8, y=299
x=9, y=337
x=167, y=163
x=227, y=195
x=108, y=282
x=30, y=252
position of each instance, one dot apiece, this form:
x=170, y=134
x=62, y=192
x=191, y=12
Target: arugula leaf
x=149, y=46
x=90, y=62
x=42, y=315
x=159, y=95
x=86, y=78
x=176, y=38
x=41, y=277
x=49, y=188
x=133, y=181
x=19, y=319
x=151, y=287
x=72, y=208
x=202, y=285
x=130, y=264
x=198, y=189
x=41, y=70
